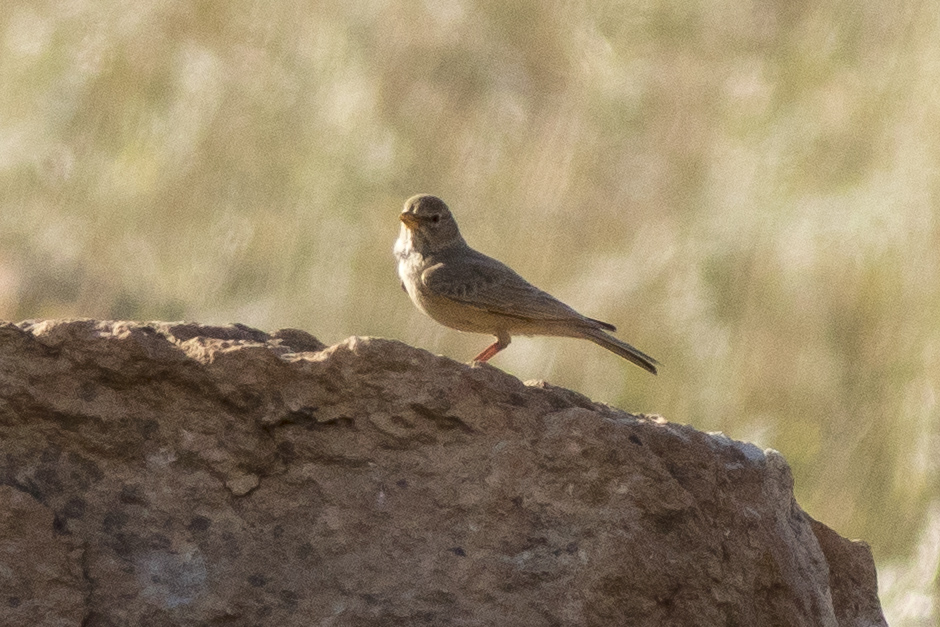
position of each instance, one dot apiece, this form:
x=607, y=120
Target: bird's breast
x=410, y=266
x=403, y=245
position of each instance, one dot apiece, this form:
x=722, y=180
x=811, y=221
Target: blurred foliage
x=747, y=188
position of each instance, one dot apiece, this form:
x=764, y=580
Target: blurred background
x=747, y=189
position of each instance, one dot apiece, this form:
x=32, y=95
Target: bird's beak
x=410, y=219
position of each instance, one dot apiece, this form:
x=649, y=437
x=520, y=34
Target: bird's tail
x=623, y=349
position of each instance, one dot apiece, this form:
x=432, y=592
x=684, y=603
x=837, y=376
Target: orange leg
x=502, y=341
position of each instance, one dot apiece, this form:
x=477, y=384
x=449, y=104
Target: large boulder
x=177, y=474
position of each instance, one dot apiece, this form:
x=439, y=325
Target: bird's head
x=430, y=224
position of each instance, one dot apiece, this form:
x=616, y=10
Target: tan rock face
x=169, y=474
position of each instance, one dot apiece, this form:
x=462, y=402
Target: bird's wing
x=476, y=280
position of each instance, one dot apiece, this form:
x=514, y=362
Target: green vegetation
x=748, y=190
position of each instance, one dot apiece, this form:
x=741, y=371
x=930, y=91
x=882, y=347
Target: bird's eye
x=435, y=218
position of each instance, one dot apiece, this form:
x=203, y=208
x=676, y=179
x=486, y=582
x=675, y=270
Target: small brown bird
x=468, y=291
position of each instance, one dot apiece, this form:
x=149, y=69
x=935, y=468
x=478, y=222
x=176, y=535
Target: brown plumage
x=468, y=291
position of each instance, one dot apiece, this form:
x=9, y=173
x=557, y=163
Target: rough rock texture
x=172, y=474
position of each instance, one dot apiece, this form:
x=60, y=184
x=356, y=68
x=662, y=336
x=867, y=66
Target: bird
x=466, y=290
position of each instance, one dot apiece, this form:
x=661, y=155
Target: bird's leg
x=502, y=341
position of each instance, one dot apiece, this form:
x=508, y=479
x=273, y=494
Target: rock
x=41, y=580
x=176, y=474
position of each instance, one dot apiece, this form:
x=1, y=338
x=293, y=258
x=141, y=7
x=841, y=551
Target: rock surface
x=176, y=474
